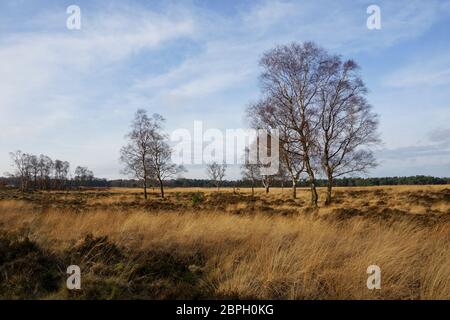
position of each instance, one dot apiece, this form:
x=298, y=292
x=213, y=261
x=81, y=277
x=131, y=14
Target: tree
x=61, y=172
x=159, y=156
x=250, y=170
x=266, y=181
x=34, y=169
x=292, y=75
x=347, y=124
x=216, y=172
x=83, y=175
x=45, y=168
x=304, y=88
x=21, y=162
x=135, y=155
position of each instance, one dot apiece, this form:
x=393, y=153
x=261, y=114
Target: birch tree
x=135, y=154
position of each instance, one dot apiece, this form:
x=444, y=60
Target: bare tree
x=347, y=124
x=159, y=156
x=304, y=87
x=34, y=170
x=216, y=172
x=266, y=181
x=61, y=173
x=135, y=155
x=290, y=80
x=21, y=163
x=45, y=168
x=83, y=175
x=295, y=74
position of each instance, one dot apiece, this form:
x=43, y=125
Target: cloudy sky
x=72, y=93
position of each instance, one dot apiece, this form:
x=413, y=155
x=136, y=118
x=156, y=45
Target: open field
x=198, y=243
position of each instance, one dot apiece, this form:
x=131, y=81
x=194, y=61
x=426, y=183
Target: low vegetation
x=197, y=243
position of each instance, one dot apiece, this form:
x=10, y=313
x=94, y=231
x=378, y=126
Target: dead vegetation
x=197, y=243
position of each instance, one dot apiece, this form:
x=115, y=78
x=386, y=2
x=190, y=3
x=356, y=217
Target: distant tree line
x=390, y=181
x=244, y=183
x=32, y=172
x=339, y=182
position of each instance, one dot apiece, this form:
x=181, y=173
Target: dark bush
x=26, y=270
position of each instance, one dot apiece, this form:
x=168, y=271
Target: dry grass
x=267, y=248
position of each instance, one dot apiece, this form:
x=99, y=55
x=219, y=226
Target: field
x=199, y=243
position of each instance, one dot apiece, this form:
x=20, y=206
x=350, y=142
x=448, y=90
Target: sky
x=71, y=94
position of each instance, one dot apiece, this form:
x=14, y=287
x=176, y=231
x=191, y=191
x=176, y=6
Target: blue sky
x=72, y=93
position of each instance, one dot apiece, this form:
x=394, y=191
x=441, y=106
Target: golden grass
x=266, y=256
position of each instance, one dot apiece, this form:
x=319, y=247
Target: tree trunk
x=161, y=186
x=314, y=196
x=145, y=176
x=312, y=183
x=253, y=190
x=25, y=184
x=329, y=189
x=22, y=184
x=145, y=189
x=294, y=189
x=267, y=189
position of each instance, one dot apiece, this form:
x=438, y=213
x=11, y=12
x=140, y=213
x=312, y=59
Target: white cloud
x=434, y=71
x=271, y=13
x=231, y=47
x=221, y=66
x=38, y=68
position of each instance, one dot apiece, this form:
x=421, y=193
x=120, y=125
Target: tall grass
x=264, y=256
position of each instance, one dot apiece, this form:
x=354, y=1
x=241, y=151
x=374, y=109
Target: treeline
x=388, y=181
x=340, y=182
x=206, y=183
x=32, y=172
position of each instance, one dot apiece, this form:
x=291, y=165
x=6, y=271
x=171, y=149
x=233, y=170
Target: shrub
x=197, y=197
x=26, y=270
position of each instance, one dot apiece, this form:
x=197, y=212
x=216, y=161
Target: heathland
x=200, y=243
